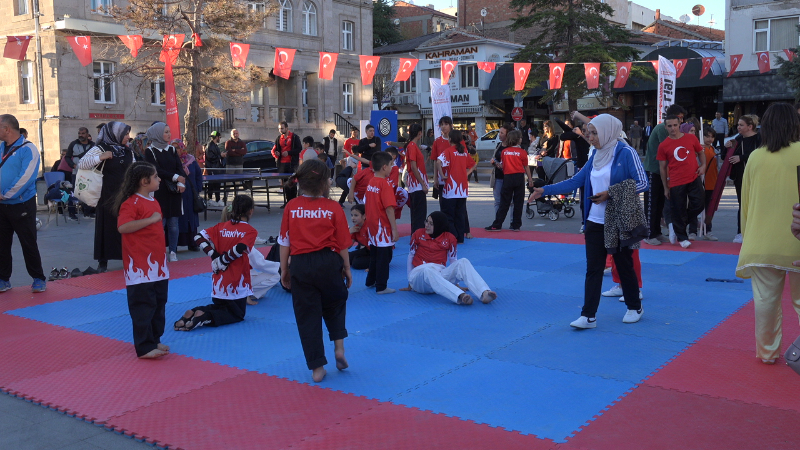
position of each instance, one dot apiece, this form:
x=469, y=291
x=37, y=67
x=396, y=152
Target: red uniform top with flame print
x=379, y=196
x=360, y=182
x=425, y=249
x=514, y=160
x=144, y=258
x=455, y=166
x=234, y=282
x=310, y=224
x=413, y=153
x=438, y=147
x=361, y=236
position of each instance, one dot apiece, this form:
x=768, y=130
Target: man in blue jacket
x=20, y=166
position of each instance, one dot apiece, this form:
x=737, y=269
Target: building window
x=469, y=76
x=347, y=35
x=259, y=8
x=26, y=81
x=775, y=35
x=22, y=7
x=285, y=16
x=103, y=83
x=410, y=85
x=304, y=91
x=158, y=93
x=347, y=98
x=98, y=4
x=309, y=19
x=435, y=74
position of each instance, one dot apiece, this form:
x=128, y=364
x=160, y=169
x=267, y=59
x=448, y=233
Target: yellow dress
x=769, y=191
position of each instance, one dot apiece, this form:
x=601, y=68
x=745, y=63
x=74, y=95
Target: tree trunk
x=191, y=118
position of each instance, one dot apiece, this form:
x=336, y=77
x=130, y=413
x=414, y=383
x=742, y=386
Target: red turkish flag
x=592, y=72
x=82, y=46
x=680, y=64
x=407, y=66
x=655, y=65
x=171, y=48
x=623, y=72
x=789, y=54
x=735, y=60
x=521, y=72
x=171, y=101
x=763, y=62
x=133, y=42
x=447, y=69
x=707, y=63
x=16, y=47
x=197, y=41
x=284, y=58
x=327, y=62
x=487, y=67
x=556, y=75
x=239, y=54
x=369, y=64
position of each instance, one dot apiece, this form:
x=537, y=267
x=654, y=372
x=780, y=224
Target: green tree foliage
x=791, y=71
x=384, y=31
x=574, y=31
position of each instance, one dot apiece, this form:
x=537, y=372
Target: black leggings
x=224, y=312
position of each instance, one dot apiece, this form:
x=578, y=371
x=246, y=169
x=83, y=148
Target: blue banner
x=385, y=123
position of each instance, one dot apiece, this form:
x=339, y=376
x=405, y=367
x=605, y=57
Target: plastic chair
x=51, y=178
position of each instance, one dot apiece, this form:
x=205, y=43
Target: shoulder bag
x=89, y=184
x=198, y=202
x=793, y=356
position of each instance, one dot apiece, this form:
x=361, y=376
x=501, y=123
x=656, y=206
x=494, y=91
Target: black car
x=259, y=155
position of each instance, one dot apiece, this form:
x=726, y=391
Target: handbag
x=89, y=185
x=492, y=179
x=172, y=186
x=793, y=356
x=198, y=202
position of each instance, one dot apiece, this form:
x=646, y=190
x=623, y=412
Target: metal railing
x=342, y=125
x=221, y=124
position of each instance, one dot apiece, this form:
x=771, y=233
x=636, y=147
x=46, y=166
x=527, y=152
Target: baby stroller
x=556, y=170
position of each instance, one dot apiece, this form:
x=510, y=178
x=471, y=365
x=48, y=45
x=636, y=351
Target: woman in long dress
x=169, y=167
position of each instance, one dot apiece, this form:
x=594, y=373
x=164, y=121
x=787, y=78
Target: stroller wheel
x=553, y=215
x=569, y=212
x=529, y=212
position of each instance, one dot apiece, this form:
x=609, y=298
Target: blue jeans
x=172, y=232
x=498, y=186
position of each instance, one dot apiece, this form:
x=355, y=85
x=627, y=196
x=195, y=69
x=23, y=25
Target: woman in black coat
x=170, y=169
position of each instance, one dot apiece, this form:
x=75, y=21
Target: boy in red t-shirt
x=712, y=173
x=358, y=185
x=681, y=176
x=382, y=227
x=417, y=178
x=454, y=167
x=359, y=256
x=400, y=194
x=515, y=169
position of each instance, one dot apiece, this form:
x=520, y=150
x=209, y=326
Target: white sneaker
x=607, y=271
x=738, y=239
x=692, y=236
x=260, y=241
x=663, y=239
x=685, y=244
x=641, y=297
x=633, y=316
x=673, y=238
x=582, y=228
x=584, y=322
x=710, y=237
x=615, y=291
x=653, y=241
x=173, y=257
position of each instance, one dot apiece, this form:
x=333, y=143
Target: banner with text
x=666, y=87
x=440, y=102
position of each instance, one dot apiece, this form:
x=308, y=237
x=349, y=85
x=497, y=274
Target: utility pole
x=40, y=79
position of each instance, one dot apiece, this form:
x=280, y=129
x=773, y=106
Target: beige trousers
x=767, y=292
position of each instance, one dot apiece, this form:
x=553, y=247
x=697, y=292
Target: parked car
x=259, y=155
x=488, y=141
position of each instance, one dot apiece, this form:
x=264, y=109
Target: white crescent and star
x=621, y=73
x=521, y=72
x=236, y=47
x=595, y=72
x=763, y=57
x=368, y=65
x=325, y=64
x=558, y=68
x=281, y=60
x=677, y=151
x=448, y=67
x=405, y=64
x=735, y=60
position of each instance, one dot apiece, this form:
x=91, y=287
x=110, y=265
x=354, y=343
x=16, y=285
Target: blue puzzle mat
x=514, y=363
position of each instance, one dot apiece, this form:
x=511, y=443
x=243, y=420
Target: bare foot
x=180, y=324
x=406, y=289
x=252, y=301
x=163, y=348
x=338, y=352
x=153, y=354
x=468, y=235
x=386, y=291
x=464, y=299
x=318, y=374
x=488, y=296
x=462, y=288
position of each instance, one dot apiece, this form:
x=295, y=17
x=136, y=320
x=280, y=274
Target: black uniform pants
x=456, y=211
x=359, y=259
x=379, y=259
x=679, y=196
x=19, y=218
x=223, y=312
x=513, y=189
x=419, y=209
x=596, y=252
x=146, y=305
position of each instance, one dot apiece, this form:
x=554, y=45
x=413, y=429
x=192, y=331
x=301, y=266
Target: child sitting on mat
x=359, y=258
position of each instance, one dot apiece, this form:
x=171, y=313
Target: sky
x=673, y=8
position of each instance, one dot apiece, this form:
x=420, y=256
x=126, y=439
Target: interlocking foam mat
x=424, y=372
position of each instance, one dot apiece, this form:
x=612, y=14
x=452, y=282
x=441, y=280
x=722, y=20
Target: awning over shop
x=502, y=81
x=753, y=86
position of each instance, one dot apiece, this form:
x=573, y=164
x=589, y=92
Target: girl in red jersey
x=454, y=167
x=417, y=178
x=515, y=170
x=400, y=194
x=359, y=258
x=225, y=243
x=144, y=257
x=432, y=249
x=314, y=233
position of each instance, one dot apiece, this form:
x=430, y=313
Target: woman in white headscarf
x=170, y=168
x=613, y=162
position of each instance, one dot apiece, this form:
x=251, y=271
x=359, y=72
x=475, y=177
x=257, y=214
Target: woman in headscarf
x=613, y=162
x=432, y=249
x=113, y=153
x=189, y=220
x=170, y=169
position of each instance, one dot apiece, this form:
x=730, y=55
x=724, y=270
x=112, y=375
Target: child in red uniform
x=712, y=173
x=432, y=249
x=400, y=194
x=515, y=169
x=454, y=167
x=440, y=145
x=359, y=258
x=417, y=178
x=225, y=243
x=380, y=204
x=358, y=185
x=314, y=233
x=144, y=257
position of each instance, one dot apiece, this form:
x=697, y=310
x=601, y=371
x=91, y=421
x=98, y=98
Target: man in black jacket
x=368, y=146
x=287, y=154
x=331, y=146
x=214, y=157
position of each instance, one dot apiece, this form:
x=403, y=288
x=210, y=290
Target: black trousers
x=379, y=259
x=513, y=189
x=719, y=140
x=691, y=193
x=456, y=211
x=737, y=184
x=224, y=312
x=419, y=209
x=318, y=293
x=359, y=259
x=654, y=200
x=19, y=218
x=475, y=174
x=146, y=305
x=288, y=192
x=595, y=265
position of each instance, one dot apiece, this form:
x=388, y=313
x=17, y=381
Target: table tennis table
x=245, y=181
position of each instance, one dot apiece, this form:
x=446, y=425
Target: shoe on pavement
x=492, y=228
x=663, y=239
x=685, y=244
x=38, y=285
x=53, y=274
x=260, y=241
x=768, y=361
x=738, y=239
x=710, y=237
x=641, y=297
x=584, y=322
x=673, y=238
x=173, y=257
x=692, y=236
x=582, y=228
x=633, y=316
x=615, y=291
x=653, y=241
x=4, y=285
